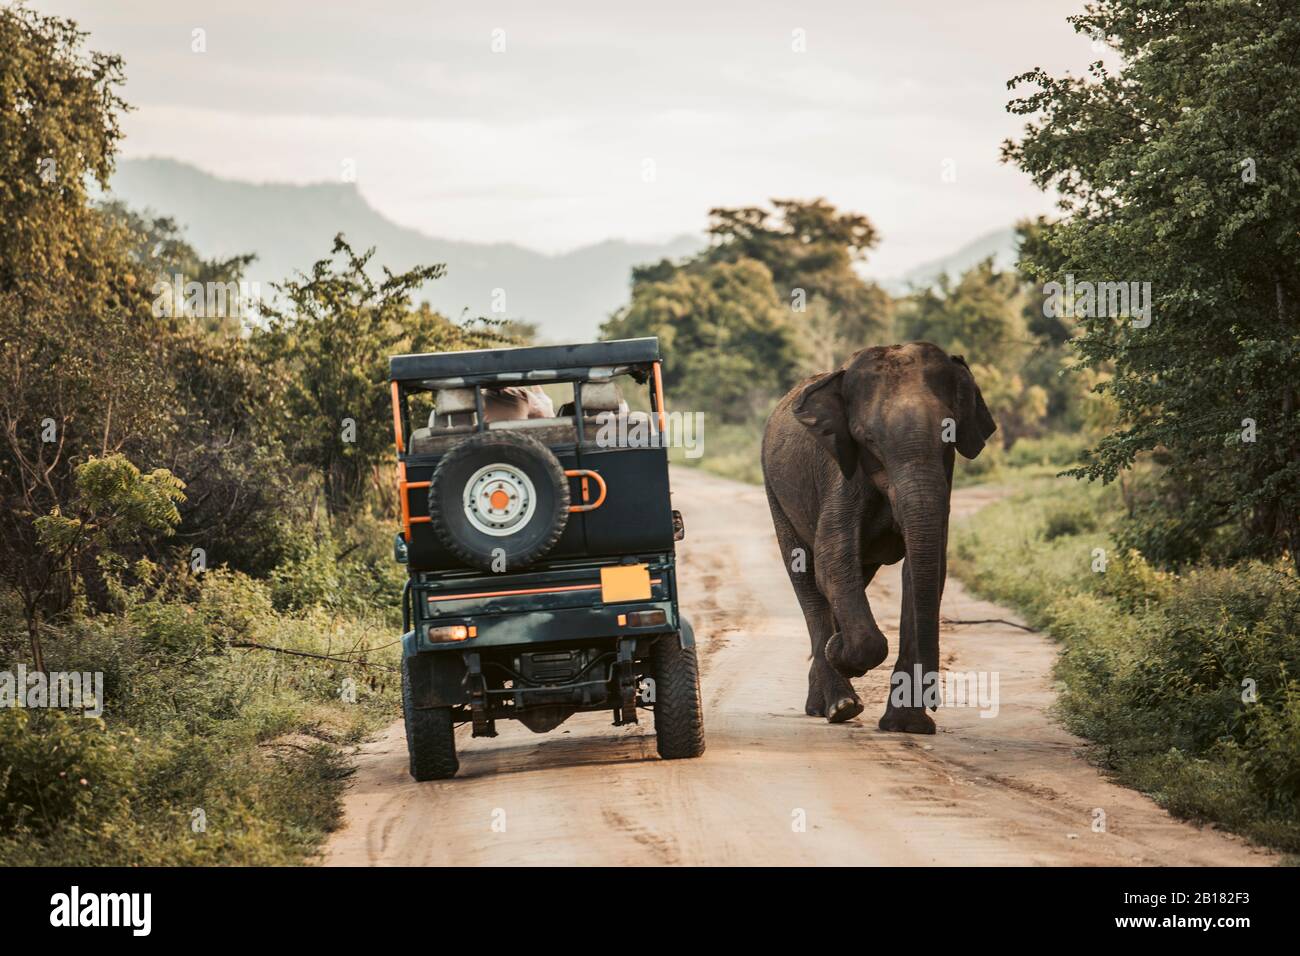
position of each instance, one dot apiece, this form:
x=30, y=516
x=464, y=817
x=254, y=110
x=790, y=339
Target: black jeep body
x=540, y=551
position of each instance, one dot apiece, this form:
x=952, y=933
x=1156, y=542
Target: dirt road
x=777, y=787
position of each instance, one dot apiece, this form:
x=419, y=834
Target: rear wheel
x=430, y=735
x=679, y=715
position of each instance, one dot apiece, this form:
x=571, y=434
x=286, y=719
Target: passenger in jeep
x=514, y=403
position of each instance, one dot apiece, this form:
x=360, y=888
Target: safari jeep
x=539, y=546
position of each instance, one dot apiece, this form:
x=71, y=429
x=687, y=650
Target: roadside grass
x=728, y=450
x=208, y=752
x=1185, y=684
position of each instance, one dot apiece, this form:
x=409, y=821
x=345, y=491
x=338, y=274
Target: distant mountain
x=290, y=227
x=1000, y=244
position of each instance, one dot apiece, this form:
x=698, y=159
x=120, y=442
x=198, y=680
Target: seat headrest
x=600, y=397
x=449, y=400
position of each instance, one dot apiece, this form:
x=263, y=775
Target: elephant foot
x=853, y=659
x=814, y=706
x=907, y=720
x=846, y=708
x=830, y=695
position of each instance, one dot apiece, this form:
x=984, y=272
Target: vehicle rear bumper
x=536, y=608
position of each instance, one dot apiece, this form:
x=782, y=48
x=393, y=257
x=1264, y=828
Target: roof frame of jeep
x=531, y=365
x=535, y=364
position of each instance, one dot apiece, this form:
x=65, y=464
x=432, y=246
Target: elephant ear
x=976, y=423
x=820, y=408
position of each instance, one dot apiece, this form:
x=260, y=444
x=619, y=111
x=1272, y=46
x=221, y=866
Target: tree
x=115, y=506
x=733, y=344
x=78, y=360
x=982, y=317
x=1181, y=169
x=776, y=294
x=60, y=108
x=328, y=345
x=1052, y=363
x=811, y=250
x=159, y=252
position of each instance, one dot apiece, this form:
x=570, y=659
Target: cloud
x=549, y=143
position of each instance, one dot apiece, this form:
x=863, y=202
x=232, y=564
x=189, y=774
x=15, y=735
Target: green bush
x=1185, y=682
x=1067, y=519
x=61, y=770
x=1132, y=583
x=196, y=718
x=1056, y=449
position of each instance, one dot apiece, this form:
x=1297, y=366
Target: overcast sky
x=600, y=119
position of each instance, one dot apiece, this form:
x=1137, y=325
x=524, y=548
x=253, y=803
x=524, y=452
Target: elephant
x=857, y=465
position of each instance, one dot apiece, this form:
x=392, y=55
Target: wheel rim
x=499, y=500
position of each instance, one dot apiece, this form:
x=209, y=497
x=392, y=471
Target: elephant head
x=893, y=416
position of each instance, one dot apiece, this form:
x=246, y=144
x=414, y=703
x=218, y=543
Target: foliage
x=60, y=110
x=200, y=713
x=732, y=342
x=61, y=770
x=810, y=249
x=328, y=344
x=224, y=691
x=1181, y=168
x=1186, y=683
x=982, y=316
x=1052, y=364
x=776, y=295
x=979, y=316
x=115, y=504
x=156, y=248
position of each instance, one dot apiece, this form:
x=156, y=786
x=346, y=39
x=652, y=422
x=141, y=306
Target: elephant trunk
x=921, y=501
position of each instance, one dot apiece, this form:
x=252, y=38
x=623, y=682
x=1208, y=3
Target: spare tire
x=499, y=500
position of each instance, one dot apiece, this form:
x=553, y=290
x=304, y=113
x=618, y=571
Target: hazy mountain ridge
x=289, y=227
x=568, y=295
x=1001, y=244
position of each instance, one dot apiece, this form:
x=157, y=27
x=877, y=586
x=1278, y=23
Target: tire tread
x=430, y=736
x=678, y=712
x=559, y=515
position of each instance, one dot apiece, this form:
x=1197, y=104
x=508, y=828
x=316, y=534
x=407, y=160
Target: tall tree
x=812, y=251
x=60, y=109
x=77, y=366
x=1181, y=168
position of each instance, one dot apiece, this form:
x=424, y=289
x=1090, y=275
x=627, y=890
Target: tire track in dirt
x=776, y=786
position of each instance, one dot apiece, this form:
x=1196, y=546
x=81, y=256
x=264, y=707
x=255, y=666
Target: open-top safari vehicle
x=539, y=547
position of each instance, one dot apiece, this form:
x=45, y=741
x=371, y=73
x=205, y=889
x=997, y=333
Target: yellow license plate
x=627, y=582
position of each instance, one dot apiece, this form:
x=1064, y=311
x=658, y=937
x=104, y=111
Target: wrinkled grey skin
x=858, y=475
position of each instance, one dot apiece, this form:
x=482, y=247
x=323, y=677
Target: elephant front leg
x=830, y=695
x=905, y=710
x=857, y=644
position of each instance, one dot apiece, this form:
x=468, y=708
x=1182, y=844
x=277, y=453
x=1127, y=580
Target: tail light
x=450, y=633
x=647, y=618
